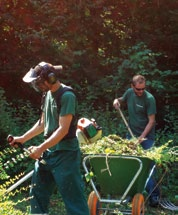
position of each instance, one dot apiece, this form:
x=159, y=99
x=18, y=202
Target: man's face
x=40, y=86
x=139, y=88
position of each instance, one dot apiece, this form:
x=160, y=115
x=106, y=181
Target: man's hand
x=35, y=152
x=116, y=104
x=141, y=139
x=14, y=140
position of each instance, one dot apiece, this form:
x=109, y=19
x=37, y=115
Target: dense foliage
x=101, y=45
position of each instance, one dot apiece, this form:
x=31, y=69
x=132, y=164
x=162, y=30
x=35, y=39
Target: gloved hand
x=116, y=104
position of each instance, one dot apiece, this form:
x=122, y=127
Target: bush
x=15, y=119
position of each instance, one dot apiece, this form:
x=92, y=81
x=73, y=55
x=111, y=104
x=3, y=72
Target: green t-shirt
x=68, y=105
x=139, y=108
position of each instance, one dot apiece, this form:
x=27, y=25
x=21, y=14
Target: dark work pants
x=151, y=187
x=62, y=170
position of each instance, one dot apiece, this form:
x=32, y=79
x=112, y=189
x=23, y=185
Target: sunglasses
x=140, y=89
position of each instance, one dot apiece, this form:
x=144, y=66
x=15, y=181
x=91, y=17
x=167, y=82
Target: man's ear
x=132, y=86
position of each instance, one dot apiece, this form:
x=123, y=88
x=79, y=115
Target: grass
x=19, y=204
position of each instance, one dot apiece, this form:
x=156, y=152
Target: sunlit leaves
x=113, y=144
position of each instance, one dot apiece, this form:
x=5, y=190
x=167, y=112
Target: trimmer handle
x=21, y=146
x=10, y=139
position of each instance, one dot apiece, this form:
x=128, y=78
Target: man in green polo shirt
x=60, y=148
x=141, y=109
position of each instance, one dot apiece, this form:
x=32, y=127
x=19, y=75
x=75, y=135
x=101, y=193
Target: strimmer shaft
x=19, y=182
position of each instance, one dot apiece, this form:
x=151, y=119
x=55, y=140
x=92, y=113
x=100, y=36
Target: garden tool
x=28, y=175
x=127, y=125
x=125, y=121
x=10, y=139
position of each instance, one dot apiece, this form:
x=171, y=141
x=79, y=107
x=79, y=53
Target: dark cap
x=34, y=73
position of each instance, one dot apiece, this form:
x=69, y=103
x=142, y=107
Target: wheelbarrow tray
x=118, y=175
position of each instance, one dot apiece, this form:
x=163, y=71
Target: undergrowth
x=17, y=201
x=14, y=164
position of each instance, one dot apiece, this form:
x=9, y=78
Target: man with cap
x=60, y=148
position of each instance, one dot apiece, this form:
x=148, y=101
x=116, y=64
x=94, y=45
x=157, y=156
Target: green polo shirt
x=139, y=108
x=51, y=116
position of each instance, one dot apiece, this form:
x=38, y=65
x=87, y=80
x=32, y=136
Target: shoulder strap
x=73, y=125
x=62, y=91
x=42, y=105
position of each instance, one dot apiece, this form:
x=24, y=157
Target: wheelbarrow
x=118, y=183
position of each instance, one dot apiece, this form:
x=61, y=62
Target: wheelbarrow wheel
x=138, y=204
x=94, y=204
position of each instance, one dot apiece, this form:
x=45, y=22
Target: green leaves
x=114, y=144
x=10, y=158
x=89, y=176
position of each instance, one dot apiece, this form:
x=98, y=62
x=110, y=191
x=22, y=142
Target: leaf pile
x=114, y=144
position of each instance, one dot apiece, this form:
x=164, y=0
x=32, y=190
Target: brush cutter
x=28, y=175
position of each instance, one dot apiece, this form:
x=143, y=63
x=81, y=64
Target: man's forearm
x=34, y=131
x=147, y=129
x=149, y=126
